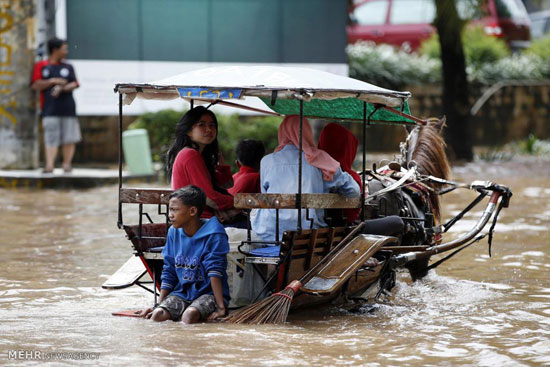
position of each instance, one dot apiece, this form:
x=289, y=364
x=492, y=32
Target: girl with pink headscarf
x=279, y=174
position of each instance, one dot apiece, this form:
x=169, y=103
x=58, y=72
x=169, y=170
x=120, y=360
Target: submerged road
x=59, y=246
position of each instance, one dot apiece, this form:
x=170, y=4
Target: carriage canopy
x=325, y=95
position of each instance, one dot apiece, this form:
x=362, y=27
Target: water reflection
x=59, y=247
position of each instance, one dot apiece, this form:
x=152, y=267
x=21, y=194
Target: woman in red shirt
x=194, y=158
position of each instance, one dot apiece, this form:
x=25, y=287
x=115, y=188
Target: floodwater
x=58, y=247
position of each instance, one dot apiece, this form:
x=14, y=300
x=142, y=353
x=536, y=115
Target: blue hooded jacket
x=189, y=262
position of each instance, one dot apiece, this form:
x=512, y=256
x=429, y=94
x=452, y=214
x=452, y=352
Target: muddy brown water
x=58, y=247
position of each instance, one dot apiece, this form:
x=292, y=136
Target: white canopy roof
x=264, y=81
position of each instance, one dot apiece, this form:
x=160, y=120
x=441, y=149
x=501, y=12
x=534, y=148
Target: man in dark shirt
x=56, y=80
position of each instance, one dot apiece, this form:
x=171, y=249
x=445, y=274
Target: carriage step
x=345, y=263
x=127, y=275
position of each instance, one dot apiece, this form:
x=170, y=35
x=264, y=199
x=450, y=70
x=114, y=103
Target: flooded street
x=59, y=246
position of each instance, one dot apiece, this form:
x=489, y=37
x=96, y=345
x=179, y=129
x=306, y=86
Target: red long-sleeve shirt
x=247, y=180
x=189, y=169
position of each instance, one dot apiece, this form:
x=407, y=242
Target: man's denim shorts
x=205, y=304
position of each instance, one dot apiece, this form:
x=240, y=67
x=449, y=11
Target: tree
x=455, y=84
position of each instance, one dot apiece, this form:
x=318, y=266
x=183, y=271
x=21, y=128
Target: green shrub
x=389, y=67
x=515, y=67
x=160, y=128
x=430, y=47
x=231, y=128
x=479, y=48
x=540, y=48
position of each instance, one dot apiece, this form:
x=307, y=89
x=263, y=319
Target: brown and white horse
x=417, y=203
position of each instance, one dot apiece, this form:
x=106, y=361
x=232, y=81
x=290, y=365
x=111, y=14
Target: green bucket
x=137, y=152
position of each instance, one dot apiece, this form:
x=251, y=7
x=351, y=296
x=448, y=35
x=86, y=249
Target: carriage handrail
x=248, y=201
x=144, y=196
x=498, y=191
x=289, y=201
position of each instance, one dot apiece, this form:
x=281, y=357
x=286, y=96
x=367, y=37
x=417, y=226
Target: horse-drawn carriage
x=334, y=263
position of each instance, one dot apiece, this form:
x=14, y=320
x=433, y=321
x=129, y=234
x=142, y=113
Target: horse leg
x=418, y=268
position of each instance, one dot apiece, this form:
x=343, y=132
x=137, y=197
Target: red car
x=407, y=23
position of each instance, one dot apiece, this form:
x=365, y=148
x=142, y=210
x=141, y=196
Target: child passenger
x=249, y=155
x=194, y=280
x=194, y=159
x=279, y=174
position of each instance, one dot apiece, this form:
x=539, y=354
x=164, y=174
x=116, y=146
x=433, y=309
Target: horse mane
x=430, y=157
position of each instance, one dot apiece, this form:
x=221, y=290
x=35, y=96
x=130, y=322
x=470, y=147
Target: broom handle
x=334, y=250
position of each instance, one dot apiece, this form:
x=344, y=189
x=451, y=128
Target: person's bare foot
x=67, y=168
x=372, y=262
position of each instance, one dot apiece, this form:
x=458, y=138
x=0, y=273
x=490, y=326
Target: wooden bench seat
x=308, y=248
x=144, y=196
x=152, y=235
x=289, y=201
x=248, y=201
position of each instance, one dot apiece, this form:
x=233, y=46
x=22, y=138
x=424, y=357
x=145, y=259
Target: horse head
x=425, y=148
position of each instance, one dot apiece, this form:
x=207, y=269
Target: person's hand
x=225, y=216
x=221, y=159
x=220, y=312
x=56, y=90
x=58, y=81
x=146, y=313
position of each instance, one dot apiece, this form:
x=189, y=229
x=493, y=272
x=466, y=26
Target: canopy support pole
x=366, y=123
x=299, y=195
x=192, y=103
x=119, y=223
x=364, y=175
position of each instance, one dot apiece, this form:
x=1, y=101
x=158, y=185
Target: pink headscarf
x=289, y=133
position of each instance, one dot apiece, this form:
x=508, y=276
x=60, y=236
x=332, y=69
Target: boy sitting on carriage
x=249, y=154
x=194, y=279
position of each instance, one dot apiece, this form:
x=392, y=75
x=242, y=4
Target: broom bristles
x=271, y=310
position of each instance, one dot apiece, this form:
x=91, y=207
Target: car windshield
x=423, y=11
x=510, y=9
x=412, y=11
x=469, y=9
x=537, y=27
x=371, y=13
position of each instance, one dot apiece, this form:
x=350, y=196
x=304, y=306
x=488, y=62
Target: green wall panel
x=175, y=30
x=245, y=30
x=311, y=31
x=103, y=29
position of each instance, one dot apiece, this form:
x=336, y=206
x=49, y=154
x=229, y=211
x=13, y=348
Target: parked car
x=540, y=24
x=407, y=23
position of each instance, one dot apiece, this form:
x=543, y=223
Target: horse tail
x=430, y=157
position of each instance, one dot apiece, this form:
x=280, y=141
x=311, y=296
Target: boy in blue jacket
x=194, y=279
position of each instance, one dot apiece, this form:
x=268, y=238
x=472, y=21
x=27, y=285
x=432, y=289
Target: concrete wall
x=18, y=132
x=511, y=113
x=99, y=145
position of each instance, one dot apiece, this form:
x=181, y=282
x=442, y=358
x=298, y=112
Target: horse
x=417, y=203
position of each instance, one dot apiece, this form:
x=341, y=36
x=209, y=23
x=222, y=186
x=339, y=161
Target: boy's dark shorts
x=205, y=304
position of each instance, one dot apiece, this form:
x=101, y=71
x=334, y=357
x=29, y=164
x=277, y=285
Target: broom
x=274, y=309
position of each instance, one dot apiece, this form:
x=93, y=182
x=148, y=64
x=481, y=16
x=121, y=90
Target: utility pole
x=18, y=130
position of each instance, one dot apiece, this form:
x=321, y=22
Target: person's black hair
x=54, y=44
x=209, y=154
x=250, y=152
x=191, y=195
